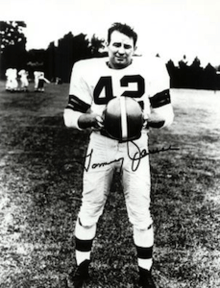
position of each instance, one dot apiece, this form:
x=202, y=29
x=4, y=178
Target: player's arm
x=46, y=80
x=77, y=112
x=77, y=115
x=161, y=111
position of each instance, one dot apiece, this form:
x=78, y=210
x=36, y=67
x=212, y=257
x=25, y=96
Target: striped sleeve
x=160, y=100
x=76, y=104
x=161, y=110
x=79, y=96
x=80, y=92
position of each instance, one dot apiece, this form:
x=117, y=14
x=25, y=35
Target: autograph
x=135, y=159
x=98, y=165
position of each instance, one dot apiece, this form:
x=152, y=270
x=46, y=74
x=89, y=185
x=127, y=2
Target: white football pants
x=103, y=156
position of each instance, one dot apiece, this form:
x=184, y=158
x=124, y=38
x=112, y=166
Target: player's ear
x=135, y=48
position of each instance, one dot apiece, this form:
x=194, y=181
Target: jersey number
x=106, y=84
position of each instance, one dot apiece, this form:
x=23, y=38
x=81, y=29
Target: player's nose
x=121, y=50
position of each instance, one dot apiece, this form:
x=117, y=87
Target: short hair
x=122, y=28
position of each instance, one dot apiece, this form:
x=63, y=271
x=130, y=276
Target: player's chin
x=121, y=64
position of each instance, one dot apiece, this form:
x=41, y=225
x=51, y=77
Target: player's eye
x=126, y=46
x=117, y=45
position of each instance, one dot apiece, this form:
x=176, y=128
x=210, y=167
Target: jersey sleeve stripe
x=76, y=104
x=160, y=99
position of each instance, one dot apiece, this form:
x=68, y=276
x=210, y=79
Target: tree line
x=193, y=76
x=57, y=60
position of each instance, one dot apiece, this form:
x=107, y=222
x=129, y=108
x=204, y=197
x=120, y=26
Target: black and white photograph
x=110, y=144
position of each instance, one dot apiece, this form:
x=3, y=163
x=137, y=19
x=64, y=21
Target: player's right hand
x=90, y=120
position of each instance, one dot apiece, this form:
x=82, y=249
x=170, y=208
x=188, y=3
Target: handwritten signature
x=135, y=159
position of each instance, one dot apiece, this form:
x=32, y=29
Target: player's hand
x=90, y=120
x=145, y=123
x=99, y=124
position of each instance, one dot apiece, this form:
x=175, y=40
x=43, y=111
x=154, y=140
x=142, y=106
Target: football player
x=24, y=80
x=39, y=81
x=36, y=79
x=11, y=82
x=94, y=83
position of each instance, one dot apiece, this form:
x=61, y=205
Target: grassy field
x=40, y=192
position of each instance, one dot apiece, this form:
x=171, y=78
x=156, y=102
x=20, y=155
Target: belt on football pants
x=104, y=133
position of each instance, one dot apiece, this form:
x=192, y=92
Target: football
x=123, y=119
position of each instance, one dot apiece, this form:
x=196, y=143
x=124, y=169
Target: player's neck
x=111, y=66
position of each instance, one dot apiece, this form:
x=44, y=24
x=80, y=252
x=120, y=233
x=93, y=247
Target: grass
x=40, y=194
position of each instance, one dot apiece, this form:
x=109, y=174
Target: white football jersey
x=93, y=84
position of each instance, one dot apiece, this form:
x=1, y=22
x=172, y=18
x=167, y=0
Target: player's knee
x=144, y=226
x=141, y=221
x=87, y=223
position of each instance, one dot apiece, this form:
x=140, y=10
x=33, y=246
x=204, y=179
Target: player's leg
x=136, y=182
x=95, y=192
x=21, y=84
x=137, y=196
x=10, y=84
x=96, y=185
x=40, y=85
x=26, y=84
x=16, y=84
x=35, y=83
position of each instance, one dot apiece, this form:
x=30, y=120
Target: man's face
x=120, y=50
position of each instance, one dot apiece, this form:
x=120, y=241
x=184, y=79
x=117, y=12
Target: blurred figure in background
x=24, y=80
x=36, y=79
x=11, y=82
x=39, y=81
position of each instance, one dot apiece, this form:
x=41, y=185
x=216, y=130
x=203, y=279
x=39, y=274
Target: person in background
x=39, y=81
x=24, y=80
x=11, y=81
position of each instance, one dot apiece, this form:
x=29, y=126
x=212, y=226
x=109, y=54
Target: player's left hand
x=145, y=123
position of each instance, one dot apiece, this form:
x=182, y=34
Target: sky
x=172, y=28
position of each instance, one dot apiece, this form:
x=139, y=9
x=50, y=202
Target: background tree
x=57, y=60
x=172, y=71
x=195, y=74
x=60, y=59
x=35, y=61
x=96, y=44
x=13, y=45
x=210, y=78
